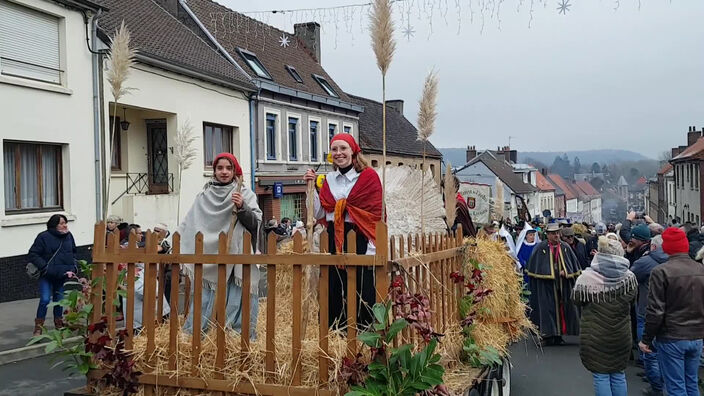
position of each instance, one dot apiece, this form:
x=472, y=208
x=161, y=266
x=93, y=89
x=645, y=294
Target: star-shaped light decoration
x=284, y=41
x=409, y=32
x=563, y=6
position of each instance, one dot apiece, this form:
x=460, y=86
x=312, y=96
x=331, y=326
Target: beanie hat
x=601, y=229
x=349, y=139
x=674, y=241
x=641, y=232
x=610, y=246
x=235, y=164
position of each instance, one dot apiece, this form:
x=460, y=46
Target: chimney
x=675, y=152
x=693, y=135
x=544, y=171
x=471, y=153
x=514, y=156
x=309, y=34
x=396, y=104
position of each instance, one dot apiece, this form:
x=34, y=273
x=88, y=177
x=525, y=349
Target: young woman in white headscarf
x=211, y=214
x=605, y=290
x=527, y=240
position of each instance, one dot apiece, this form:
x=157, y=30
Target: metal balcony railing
x=147, y=183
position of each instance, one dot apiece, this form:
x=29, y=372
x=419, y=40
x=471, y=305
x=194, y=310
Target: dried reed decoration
x=450, y=196
x=384, y=45
x=427, y=113
x=120, y=60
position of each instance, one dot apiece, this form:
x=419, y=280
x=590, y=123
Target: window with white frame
x=29, y=44
x=33, y=177
x=347, y=128
x=332, y=131
x=271, y=136
x=216, y=139
x=293, y=139
x=314, y=139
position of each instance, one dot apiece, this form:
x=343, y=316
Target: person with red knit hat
x=350, y=199
x=223, y=198
x=674, y=318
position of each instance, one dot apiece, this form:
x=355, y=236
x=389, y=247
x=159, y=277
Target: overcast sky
x=594, y=78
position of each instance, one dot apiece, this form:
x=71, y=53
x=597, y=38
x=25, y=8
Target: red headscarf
x=349, y=139
x=363, y=205
x=233, y=161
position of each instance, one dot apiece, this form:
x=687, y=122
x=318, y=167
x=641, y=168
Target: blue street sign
x=278, y=190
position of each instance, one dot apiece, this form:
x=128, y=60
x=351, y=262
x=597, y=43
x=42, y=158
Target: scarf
x=607, y=278
x=363, y=205
x=211, y=214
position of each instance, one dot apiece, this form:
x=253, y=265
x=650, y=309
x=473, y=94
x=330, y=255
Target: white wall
x=687, y=196
x=38, y=112
x=161, y=94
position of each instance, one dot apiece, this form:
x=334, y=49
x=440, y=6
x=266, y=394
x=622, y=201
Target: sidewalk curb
x=31, y=351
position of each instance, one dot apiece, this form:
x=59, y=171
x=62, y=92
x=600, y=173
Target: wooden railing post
x=220, y=305
x=382, y=268
x=270, y=353
x=354, y=299
x=297, y=312
x=173, y=303
x=197, y=307
x=323, y=284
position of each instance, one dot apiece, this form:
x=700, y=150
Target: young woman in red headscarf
x=350, y=199
x=212, y=213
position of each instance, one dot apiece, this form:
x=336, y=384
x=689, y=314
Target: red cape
x=363, y=205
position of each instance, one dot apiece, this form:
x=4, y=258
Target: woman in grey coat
x=605, y=291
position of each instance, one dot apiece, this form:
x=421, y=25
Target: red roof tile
x=696, y=148
x=665, y=168
x=543, y=183
x=587, y=188
x=563, y=185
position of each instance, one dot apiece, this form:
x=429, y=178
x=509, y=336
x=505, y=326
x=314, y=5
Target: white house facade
x=49, y=129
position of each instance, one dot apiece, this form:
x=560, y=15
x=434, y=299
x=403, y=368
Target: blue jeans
x=613, y=384
x=679, y=361
x=650, y=360
x=48, y=289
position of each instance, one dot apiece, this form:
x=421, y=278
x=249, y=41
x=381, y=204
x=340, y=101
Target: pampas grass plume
x=120, y=60
x=382, y=32
x=427, y=112
x=185, y=150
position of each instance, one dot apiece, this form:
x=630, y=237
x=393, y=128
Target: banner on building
x=478, y=197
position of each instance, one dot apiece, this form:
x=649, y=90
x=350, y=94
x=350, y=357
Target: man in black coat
x=553, y=269
x=579, y=248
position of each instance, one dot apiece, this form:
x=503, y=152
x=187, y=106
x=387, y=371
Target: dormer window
x=292, y=71
x=325, y=85
x=254, y=63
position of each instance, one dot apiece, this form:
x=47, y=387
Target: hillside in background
x=457, y=156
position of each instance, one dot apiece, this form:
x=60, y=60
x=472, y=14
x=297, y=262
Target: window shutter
x=29, y=43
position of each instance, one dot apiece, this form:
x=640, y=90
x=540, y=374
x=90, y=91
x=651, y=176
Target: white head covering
x=503, y=232
x=522, y=238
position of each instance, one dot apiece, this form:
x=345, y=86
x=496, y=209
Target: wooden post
x=382, y=262
x=246, y=286
x=296, y=309
x=98, y=271
x=111, y=282
x=324, y=319
x=173, y=304
x=353, y=296
x=129, y=304
x=197, y=307
x=148, y=307
x=271, y=311
x=220, y=305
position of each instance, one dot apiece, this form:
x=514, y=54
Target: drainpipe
x=252, y=136
x=97, y=116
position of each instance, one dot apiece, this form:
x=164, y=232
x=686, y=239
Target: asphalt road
x=550, y=371
x=557, y=371
x=34, y=377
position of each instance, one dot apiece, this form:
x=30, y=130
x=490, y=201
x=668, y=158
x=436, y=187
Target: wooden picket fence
x=425, y=269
